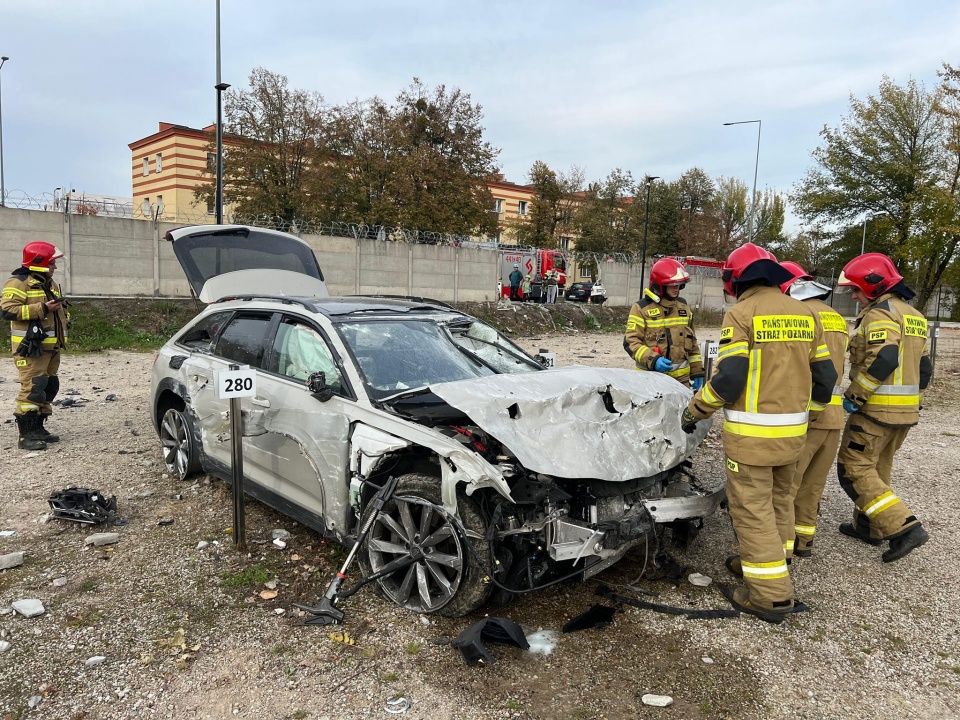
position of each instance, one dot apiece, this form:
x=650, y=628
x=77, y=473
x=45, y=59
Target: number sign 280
x=236, y=383
x=232, y=385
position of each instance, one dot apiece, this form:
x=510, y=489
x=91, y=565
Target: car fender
x=458, y=465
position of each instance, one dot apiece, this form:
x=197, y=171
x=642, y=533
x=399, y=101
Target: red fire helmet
x=667, y=271
x=873, y=273
x=740, y=261
x=38, y=255
x=798, y=274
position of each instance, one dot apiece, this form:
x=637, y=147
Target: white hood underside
x=556, y=422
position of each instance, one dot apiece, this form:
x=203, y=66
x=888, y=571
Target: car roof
x=339, y=308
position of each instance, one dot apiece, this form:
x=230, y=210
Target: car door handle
x=262, y=402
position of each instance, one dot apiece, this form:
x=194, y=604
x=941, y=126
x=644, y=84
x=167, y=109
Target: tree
x=443, y=162
x=602, y=219
x=419, y=163
x=278, y=167
x=551, y=210
x=895, y=153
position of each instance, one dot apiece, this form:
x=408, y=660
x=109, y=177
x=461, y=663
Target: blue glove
x=697, y=383
x=662, y=365
x=850, y=406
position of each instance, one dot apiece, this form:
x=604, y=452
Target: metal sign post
x=234, y=384
x=709, y=352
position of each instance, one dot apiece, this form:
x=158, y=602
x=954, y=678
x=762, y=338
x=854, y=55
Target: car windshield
x=491, y=347
x=399, y=355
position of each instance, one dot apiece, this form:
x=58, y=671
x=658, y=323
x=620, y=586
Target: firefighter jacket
x=889, y=364
x=773, y=367
x=835, y=332
x=661, y=327
x=24, y=295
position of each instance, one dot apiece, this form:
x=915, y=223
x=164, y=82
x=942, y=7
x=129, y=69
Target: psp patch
x=877, y=337
x=732, y=466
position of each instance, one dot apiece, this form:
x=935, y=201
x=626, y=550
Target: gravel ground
x=211, y=633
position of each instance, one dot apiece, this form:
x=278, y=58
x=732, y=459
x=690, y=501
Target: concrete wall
x=121, y=257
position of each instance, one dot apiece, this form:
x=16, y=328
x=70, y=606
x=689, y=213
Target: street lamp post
x=220, y=87
x=646, y=224
x=863, y=242
x=868, y=216
x=3, y=195
x=756, y=166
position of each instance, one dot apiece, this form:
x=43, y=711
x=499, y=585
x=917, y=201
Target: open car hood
x=582, y=422
x=229, y=260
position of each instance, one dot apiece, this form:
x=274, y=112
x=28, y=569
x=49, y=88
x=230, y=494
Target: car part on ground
x=490, y=629
x=83, y=505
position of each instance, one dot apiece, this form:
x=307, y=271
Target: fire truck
x=696, y=264
x=533, y=262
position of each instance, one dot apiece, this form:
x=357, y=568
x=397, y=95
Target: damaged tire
x=179, y=450
x=446, y=577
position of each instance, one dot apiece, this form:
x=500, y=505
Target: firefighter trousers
x=39, y=383
x=864, y=468
x=761, y=507
x=818, y=456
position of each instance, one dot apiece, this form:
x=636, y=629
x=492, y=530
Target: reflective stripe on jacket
x=772, y=363
x=889, y=362
x=835, y=334
x=665, y=325
x=24, y=295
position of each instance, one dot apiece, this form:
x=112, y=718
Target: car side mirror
x=317, y=384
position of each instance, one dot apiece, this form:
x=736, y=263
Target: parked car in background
x=583, y=291
x=502, y=488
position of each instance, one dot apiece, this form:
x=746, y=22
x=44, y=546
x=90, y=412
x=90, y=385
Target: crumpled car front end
x=594, y=459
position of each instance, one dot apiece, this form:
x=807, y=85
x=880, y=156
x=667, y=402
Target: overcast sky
x=644, y=86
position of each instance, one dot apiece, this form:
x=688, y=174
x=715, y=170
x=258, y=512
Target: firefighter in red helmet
x=36, y=309
x=889, y=370
x=823, y=432
x=773, y=370
x=660, y=334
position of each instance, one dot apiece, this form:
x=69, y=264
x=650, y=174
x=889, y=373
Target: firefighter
x=35, y=307
x=889, y=370
x=823, y=432
x=773, y=370
x=660, y=334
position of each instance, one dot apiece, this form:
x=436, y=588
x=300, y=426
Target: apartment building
x=166, y=168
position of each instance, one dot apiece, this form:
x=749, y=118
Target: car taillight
x=155, y=356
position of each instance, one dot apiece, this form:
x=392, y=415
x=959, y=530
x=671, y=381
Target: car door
x=241, y=342
x=304, y=448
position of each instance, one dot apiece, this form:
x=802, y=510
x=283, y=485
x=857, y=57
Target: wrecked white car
x=511, y=476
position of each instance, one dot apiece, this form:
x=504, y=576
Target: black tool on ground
x=83, y=505
x=492, y=629
x=599, y=616
x=606, y=592
x=326, y=611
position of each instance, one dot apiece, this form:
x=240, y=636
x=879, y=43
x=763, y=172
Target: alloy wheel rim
x=176, y=444
x=412, y=526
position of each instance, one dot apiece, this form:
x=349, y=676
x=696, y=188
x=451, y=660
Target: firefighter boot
x=29, y=440
x=902, y=545
x=852, y=530
x=45, y=434
x=740, y=599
